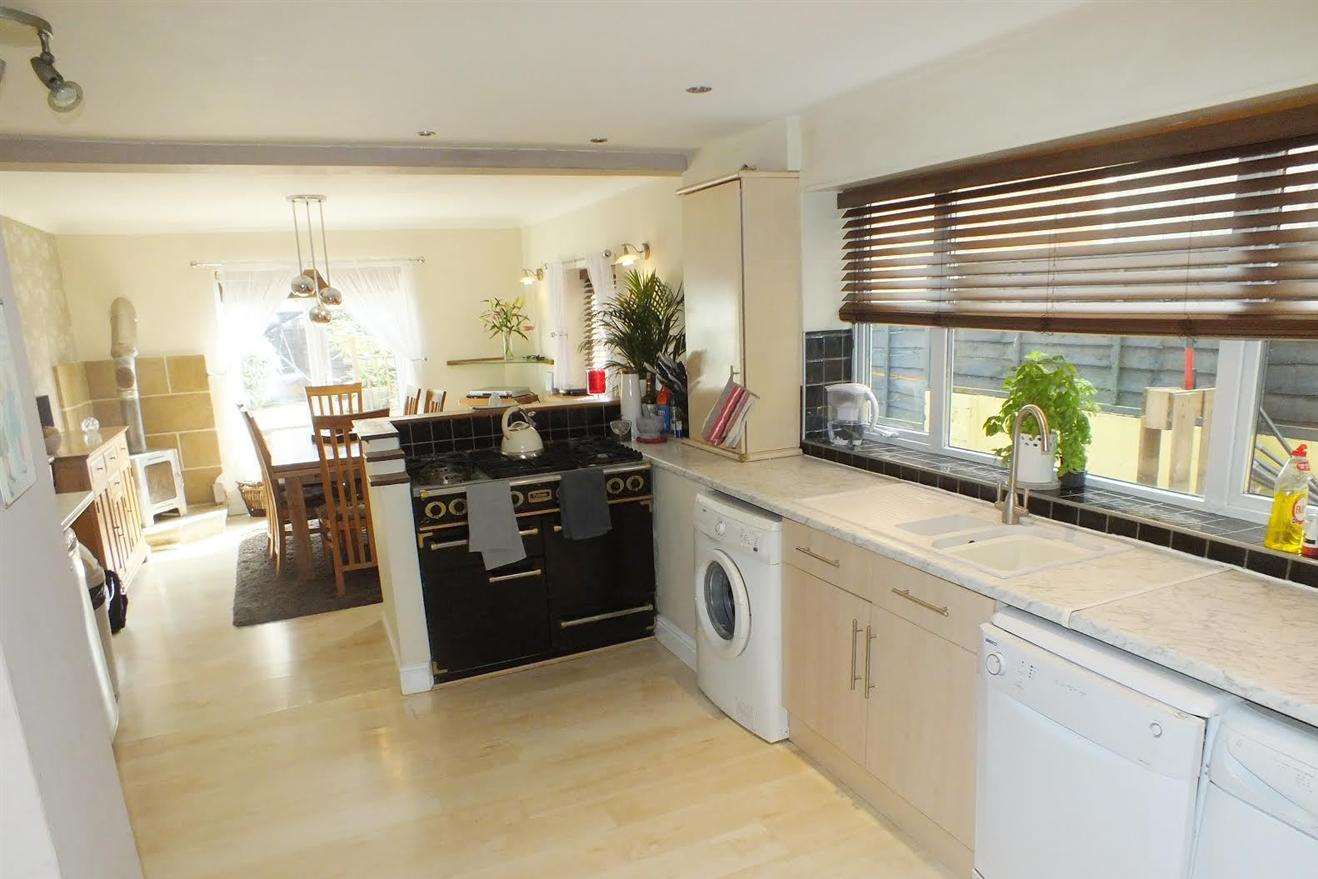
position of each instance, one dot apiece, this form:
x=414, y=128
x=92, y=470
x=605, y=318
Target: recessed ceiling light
x=426, y=132
x=599, y=140
x=699, y=89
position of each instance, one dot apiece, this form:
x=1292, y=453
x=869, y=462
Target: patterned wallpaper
x=42, y=306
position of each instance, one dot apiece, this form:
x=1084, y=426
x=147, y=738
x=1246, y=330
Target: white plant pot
x=1034, y=468
x=629, y=395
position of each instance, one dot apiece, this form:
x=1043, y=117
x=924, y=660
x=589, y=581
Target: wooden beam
x=71, y=154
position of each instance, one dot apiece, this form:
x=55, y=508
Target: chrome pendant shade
x=312, y=279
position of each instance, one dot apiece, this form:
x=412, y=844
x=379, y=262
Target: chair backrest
x=435, y=398
x=274, y=501
x=335, y=399
x=343, y=474
x=412, y=403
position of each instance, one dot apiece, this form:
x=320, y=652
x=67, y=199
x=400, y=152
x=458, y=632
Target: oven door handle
x=451, y=544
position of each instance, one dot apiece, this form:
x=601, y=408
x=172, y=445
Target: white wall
x=1094, y=67
x=45, y=655
x=773, y=146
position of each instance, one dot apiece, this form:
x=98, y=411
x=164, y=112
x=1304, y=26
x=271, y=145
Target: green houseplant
x=642, y=324
x=1050, y=382
x=505, y=317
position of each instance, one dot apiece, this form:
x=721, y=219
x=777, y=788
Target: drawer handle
x=906, y=593
x=450, y=544
x=521, y=575
x=855, y=630
x=611, y=615
x=817, y=557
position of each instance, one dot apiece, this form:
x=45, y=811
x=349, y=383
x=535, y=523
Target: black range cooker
x=566, y=596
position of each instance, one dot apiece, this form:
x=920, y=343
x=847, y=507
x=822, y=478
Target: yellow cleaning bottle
x=1289, y=504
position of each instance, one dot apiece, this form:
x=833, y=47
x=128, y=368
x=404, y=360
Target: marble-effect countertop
x=1248, y=634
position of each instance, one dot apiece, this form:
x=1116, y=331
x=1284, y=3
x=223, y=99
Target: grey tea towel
x=584, y=505
x=491, y=524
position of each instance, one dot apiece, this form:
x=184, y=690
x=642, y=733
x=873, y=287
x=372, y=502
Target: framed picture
x=18, y=468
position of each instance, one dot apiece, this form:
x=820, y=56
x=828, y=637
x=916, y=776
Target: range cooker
x=566, y=596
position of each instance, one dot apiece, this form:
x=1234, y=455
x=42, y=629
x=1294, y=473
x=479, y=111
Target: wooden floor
x=285, y=750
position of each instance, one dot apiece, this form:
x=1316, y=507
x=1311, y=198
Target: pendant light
x=311, y=281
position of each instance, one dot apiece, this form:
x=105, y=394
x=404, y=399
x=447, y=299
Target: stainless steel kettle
x=520, y=440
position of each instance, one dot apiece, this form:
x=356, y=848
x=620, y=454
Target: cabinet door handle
x=869, y=643
x=520, y=575
x=817, y=557
x=450, y=544
x=906, y=593
x=611, y=615
x=855, y=630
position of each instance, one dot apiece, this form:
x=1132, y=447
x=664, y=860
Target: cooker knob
x=457, y=506
x=614, y=486
x=635, y=482
x=517, y=499
x=435, y=510
x=993, y=663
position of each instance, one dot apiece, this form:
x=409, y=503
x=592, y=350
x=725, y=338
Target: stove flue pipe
x=123, y=350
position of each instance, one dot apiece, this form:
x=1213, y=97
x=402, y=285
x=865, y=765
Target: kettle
x=846, y=422
x=520, y=440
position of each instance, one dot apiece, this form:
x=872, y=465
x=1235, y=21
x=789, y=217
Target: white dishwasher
x=1260, y=815
x=1089, y=757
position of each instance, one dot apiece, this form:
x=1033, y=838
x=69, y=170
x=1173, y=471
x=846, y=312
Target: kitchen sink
x=1012, y=550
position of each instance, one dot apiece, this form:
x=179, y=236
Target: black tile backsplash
x=827, y=361
x=441, y=434
x=1215, y=537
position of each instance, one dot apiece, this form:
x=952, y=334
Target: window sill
x=1206, y=535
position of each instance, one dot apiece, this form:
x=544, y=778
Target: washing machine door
x=722, y=604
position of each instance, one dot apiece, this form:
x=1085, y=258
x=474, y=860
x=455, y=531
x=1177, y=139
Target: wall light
x=64, y=94
x=632, y=254
x=530, y=276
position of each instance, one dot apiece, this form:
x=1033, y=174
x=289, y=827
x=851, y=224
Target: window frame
x=1238, y=389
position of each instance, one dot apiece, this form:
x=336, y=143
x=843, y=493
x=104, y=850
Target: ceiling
x=66, y=203
x=550, y=72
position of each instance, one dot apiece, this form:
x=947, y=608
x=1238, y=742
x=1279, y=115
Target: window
x=293, y=353
x=1138, y=381
x=594, y=351
x=1287, y=411
x=1193, y=426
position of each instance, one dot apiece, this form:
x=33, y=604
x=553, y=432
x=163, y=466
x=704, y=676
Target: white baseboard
x=415, y=679
x=677, y=642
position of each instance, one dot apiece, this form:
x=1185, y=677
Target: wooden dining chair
x=277, y=519
x=435, y=398
x=346, y=514
x=335, y=399
x=412, y=402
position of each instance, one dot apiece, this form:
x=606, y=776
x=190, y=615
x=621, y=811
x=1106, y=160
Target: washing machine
x=739, y=600
x=1260, y=814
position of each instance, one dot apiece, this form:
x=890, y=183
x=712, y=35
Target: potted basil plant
x=1052, y=383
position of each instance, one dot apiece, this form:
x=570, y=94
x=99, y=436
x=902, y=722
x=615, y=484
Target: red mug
x=595, y=381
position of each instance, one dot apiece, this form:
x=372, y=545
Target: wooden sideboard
x=111, y=527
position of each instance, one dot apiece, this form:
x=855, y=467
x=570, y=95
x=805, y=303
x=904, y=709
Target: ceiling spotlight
x=599, y=140
x=699, y=89
x=530, y=276
x=631, y=254
x=64, y=94
x=426, y=132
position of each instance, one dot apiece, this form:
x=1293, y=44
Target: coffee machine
x=847, y=421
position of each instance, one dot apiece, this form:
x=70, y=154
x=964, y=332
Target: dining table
x=295, y=461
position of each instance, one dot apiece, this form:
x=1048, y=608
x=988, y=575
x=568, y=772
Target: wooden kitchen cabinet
x=742, y=284
x=824, y=644
x=879, y=683
x=112, y=526
x=920, y=722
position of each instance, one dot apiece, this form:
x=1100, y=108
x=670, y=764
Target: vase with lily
x=506, y=318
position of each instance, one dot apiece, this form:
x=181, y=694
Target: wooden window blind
x=1131, y=231
x=593, y=349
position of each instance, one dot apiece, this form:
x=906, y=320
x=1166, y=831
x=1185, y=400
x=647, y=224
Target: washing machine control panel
x=735, y=535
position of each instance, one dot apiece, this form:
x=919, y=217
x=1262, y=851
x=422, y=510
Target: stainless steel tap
x=1011, y=511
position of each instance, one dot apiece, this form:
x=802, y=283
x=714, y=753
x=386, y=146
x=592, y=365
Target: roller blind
x=1132, y=236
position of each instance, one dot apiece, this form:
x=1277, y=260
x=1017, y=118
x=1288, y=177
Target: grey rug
x=262, y=597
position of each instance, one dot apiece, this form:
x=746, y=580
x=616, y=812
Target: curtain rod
x=199, y=264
